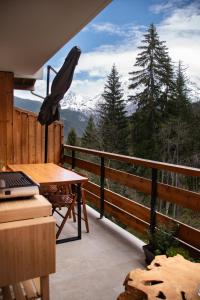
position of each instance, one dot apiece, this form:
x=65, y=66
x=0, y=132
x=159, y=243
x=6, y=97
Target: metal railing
x=128, y=211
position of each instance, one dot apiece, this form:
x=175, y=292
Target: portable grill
x=17, y=184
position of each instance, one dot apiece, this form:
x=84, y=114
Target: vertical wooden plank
x=6, y=117
x=43, y=142
x=9, y=112
x=31, y=139
x=62, y=134
x=57, y=143
x=39, y=158
x=24, y=138
x=3, y=154
x=51, y=143
x=61, y=139
x=17, y=137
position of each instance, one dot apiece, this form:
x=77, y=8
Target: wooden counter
x=27, y=241
x=15, y=210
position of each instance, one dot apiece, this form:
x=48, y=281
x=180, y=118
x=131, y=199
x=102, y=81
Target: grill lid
x=15, y=179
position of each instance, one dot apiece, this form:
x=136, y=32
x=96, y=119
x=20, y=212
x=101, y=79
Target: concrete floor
x=95, y=267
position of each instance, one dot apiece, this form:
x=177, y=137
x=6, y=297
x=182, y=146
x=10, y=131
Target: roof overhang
x=33, y=31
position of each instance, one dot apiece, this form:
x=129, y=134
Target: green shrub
x=162, y=239
x=172, y=251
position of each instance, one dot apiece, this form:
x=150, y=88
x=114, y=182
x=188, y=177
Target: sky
x=114, y=35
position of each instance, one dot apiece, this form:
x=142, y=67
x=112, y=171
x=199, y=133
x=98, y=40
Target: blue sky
x=114, y=35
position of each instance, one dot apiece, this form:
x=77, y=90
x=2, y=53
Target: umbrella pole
x=46, y=126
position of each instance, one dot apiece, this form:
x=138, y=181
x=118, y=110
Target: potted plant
x=160, y=242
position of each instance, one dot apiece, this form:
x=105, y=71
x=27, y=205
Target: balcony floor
x=95, y=267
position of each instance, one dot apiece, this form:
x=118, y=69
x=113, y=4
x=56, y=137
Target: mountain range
x=72, y=118
x=75, y=109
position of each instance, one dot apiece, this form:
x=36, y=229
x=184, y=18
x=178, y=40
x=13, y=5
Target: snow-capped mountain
x=78, y=102
x=88, y=105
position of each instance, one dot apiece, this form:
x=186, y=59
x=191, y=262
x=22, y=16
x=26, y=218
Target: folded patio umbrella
x=49, y=111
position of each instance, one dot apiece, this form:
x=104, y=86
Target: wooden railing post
x=102, y=178
x=153, y=200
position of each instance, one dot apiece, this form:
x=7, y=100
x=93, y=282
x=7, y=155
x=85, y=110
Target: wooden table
x=27, y=243
x=49, y=173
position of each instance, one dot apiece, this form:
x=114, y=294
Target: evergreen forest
x=164, y=127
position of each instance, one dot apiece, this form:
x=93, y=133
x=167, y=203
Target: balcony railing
x=129, y=212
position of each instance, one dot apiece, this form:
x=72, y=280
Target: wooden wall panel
x=27, y=137
x=51, y=143
x=17, y=135
x=57, y=142
x=6, y=117
x=24, y=138
x=38, y=140
x=32, y=139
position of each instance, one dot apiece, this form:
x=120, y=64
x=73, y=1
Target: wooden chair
x=64, y=196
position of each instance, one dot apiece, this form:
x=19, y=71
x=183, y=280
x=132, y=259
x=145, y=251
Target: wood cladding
x=6, y=117
x=15, y=210
x=21, y=136
x=29, y=142
x=32, y=255
x=25, y=142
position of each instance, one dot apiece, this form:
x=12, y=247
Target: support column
x=6, y=117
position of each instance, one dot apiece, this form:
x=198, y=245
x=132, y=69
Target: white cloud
x=158, y=8
x=109, y=28
x=180, y=29
x=99, y=63
x=166, y=6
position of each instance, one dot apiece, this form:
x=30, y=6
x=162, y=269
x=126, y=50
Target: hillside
x=71, y=118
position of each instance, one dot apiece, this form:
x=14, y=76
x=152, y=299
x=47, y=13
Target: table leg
x=79, y=209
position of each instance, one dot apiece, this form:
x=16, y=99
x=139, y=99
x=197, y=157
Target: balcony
x=95, y=267
x=104, y=256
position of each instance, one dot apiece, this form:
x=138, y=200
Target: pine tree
x=90, y=135
x=72, y=137
x=113, y=124
x=179, y=105
x=175, y=133
x=152, y=84
x=167, y=84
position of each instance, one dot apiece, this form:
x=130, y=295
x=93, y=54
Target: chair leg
x=65, y=219
x=74, y=214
